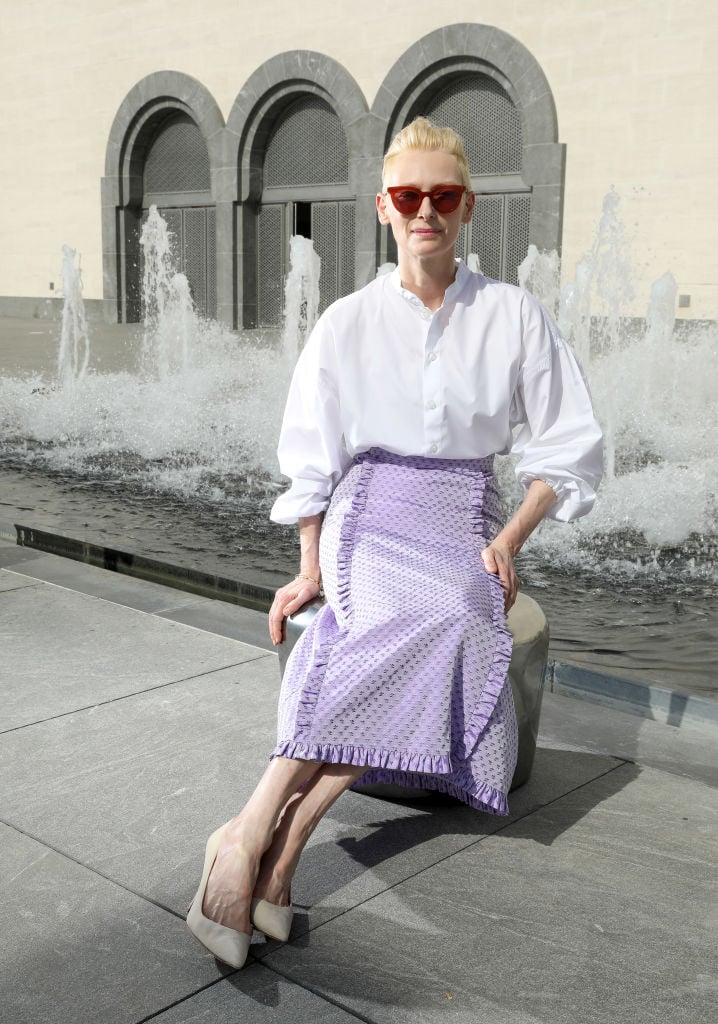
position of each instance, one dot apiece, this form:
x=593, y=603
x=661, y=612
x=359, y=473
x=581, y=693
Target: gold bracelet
x=310, y=579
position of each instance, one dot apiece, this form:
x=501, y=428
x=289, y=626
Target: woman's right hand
x=288, y=600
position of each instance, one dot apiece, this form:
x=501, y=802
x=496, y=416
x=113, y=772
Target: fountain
x=656, y=516
x=301, y=298
x=170, y=323
x=176, y=455
x=74, y=353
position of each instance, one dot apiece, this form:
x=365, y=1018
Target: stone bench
x=526, y=674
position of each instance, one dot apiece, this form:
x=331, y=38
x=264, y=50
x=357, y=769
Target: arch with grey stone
x=133, y=127
x=236, y=150
x=273, y=87
x=470, y=49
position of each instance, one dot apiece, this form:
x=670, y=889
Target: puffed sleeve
x=560, y=441
x=311, y=448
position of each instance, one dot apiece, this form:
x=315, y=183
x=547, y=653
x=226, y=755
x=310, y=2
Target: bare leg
x=301, y=816
x=245, y=839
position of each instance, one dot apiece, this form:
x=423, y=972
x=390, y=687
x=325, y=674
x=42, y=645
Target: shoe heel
x=273, y=920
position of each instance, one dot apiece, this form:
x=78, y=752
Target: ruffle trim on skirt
x=461, y=785
x=315, y=678
x=395, y=760
x=496, y=677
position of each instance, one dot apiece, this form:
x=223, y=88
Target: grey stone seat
x=529, y=628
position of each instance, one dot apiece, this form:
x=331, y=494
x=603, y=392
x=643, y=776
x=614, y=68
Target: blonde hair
x=422, y=134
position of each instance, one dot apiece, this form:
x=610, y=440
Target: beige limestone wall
x=635, y=85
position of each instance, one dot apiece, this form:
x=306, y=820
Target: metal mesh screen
x=194, y=250
x=486, y=233
x=177, y=159
x=498, y=234
x=270, y=264
x=347, y=220
x=333, y=240
x=518, y=212
x=485, y=117
x=325, y=218
x=307, y=146
x=211, y=307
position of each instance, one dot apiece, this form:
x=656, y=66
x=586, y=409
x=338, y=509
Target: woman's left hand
x=499, y=561
x=499, y=555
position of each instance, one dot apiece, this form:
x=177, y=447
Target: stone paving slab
x=593, y=910
x=62, y=651
x=78, y=949
x=230, y=620
x=362, y=849
x=134, y=786
x=257, y=996
x=589, y=904
x=12, y=581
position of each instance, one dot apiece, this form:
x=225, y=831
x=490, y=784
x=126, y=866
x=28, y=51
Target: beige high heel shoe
x=270, y=918
x=226, y=944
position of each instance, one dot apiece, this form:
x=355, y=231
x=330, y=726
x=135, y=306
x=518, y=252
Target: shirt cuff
x=302, y=499
x=574, y=497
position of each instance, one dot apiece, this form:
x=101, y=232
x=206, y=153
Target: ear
x=381, y=208
x=468, y=207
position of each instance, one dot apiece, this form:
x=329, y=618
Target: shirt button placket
x=432, y=380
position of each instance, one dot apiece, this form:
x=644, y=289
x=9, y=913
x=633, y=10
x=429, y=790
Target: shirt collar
x=452, y=292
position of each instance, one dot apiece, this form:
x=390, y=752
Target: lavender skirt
x=405, y=668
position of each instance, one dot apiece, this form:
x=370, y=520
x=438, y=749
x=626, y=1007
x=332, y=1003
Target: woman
x=401, y=398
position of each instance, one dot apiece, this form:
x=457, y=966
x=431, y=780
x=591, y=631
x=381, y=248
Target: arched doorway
x=305, y=191
x=176, y=179
x=483, y=113
x=164, y=148
x=489, y=87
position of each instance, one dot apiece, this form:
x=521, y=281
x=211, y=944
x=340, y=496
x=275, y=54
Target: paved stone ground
x=134, y=719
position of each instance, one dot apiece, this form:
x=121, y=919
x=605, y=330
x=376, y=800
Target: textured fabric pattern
x=404, y=669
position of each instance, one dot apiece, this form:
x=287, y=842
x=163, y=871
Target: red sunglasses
x=444, y=198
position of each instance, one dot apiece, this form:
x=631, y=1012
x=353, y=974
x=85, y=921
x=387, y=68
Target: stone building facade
x=241, y=145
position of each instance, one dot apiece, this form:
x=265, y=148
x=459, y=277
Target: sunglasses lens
x=446, y=200
x=406, y=200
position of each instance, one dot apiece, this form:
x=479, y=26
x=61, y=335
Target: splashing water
x=656, y=514
x=74, y=352
x=301, y=297
x=199, y=416
x=171, y=325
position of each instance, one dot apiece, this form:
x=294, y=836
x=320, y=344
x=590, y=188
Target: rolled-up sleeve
x=560, y=440
x=311, y=449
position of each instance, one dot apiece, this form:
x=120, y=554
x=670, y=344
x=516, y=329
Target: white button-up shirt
x=486, y=373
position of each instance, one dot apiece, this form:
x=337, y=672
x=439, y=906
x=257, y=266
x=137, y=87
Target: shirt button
x=434, y=448
x=431, y=405
x=427, y=314
x=432, y=357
